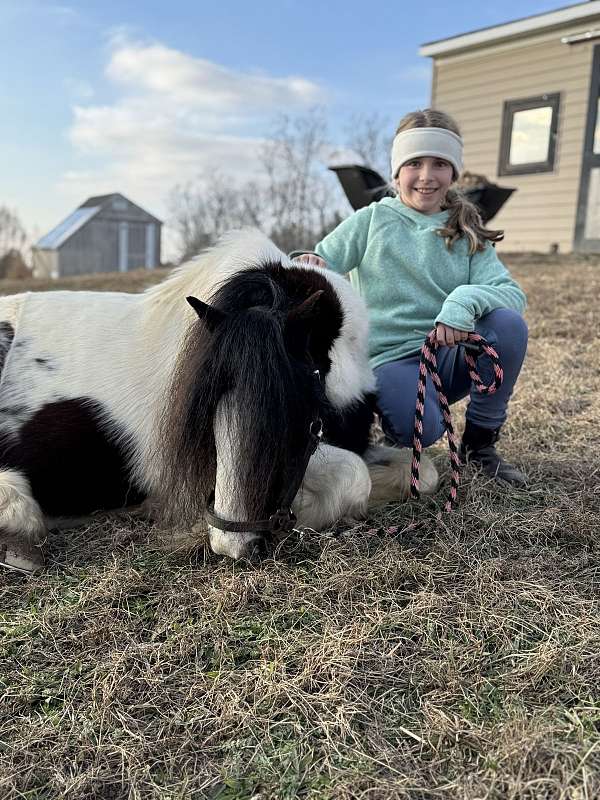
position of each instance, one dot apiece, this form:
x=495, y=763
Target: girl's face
x=423, y=182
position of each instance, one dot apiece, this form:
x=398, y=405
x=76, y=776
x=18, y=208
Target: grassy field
x=417, y=655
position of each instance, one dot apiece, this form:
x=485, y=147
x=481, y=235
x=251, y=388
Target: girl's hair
x=464, y=218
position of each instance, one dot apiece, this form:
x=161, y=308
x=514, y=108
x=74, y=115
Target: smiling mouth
x=425, y=191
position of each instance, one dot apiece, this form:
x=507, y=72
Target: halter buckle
x=283, y=520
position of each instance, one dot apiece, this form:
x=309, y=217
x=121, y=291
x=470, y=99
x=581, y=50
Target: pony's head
x=246, y=402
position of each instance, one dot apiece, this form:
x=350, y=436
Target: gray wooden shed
x=107, y=233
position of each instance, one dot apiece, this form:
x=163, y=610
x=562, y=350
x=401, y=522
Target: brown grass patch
x=415, y=656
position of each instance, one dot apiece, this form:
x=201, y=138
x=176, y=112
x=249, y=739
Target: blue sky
x=107, y=96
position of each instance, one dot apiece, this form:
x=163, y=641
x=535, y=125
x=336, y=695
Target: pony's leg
x=336, y=486
x=389, y=468
x=22, y=526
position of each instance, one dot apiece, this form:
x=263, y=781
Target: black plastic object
x=362, y=186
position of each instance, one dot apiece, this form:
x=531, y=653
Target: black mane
x=262, y=359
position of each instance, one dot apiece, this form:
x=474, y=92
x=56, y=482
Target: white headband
x=417, y=142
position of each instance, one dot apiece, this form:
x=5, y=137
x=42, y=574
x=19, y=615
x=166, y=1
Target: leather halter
x=284, y=519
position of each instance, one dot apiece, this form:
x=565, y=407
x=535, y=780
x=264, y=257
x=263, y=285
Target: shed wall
x=95, y=247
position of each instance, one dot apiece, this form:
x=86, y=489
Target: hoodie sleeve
x=490, y=287
x=343, y=249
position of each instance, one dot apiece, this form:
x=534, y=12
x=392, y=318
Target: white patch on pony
x=336, y=486
x=234, y=545
x=235, y=252
x=227, y=502
x=19, y=512
x=390, y=467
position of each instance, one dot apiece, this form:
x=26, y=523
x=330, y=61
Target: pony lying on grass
x=257, y=392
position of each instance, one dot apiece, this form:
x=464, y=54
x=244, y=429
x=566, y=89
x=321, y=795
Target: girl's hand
x=449, y=336
x=311, y=259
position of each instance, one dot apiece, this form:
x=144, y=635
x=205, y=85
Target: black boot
x=478, y=447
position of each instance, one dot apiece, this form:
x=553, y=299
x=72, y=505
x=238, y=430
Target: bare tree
x=294, y=200
x=12, y=233
x=370, y=137
x=304, y=197
x=202, y=211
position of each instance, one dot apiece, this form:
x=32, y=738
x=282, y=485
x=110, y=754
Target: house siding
x=473, y=87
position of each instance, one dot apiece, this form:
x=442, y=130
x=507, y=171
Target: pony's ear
x=300, y=322
x=211, y=315
x=305, y=310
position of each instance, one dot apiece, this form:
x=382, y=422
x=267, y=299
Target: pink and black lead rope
x=428, y=363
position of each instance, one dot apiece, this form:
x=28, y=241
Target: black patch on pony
x=73, y=466
x=258, y=354
x=350, y=428
x=45, y=362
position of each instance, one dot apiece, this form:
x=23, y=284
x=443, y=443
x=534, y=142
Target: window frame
x=511, y=107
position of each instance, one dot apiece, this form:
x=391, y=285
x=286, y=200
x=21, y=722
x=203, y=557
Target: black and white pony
x=218, y=403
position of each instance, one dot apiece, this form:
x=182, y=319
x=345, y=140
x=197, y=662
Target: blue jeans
x=505, y=330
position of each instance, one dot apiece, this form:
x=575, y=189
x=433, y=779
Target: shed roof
x=65, y=229
x=508, y=30
x=103, y=200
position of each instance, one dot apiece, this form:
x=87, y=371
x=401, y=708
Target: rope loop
x=428, y=363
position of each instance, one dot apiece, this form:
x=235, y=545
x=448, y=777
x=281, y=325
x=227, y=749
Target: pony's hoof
x=257, y=551
x=21, y=556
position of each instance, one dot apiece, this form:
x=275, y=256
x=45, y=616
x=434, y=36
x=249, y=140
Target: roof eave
x=509, y=30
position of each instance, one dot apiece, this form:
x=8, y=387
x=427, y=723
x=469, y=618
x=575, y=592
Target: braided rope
x=428, y=363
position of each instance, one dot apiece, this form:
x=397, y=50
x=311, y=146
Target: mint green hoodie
x=410, y=280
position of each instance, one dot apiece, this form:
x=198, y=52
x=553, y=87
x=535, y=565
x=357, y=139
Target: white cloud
x=202, y=84
x=175, y=116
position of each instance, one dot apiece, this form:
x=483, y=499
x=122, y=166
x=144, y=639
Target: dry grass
x=415, y=656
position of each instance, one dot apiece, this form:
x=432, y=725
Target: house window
x=529, y=129
x=597, y=129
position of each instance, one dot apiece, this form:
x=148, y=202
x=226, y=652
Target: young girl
x=421, y=260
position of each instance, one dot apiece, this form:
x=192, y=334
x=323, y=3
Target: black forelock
x=279, y=289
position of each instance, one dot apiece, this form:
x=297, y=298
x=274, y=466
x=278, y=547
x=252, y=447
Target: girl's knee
x=506, y=321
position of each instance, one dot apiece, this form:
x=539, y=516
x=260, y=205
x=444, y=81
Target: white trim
x=581, y=37
x=539, y=22
x=150, y=245
x=123, y=246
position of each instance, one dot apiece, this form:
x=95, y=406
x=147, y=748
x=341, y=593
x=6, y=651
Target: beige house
x=526, y=95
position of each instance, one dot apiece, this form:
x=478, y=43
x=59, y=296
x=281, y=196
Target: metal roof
x=59, y=235
x=102, y=199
